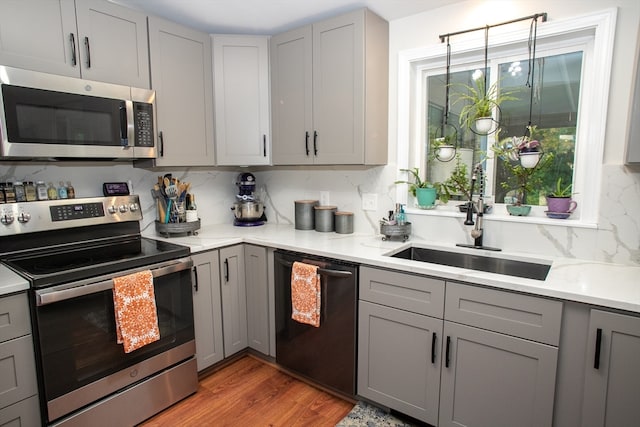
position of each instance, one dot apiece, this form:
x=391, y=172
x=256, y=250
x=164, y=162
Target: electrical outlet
x=324, y=198
x=369, y=202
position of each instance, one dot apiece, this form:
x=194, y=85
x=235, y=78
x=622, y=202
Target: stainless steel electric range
x=70, y=251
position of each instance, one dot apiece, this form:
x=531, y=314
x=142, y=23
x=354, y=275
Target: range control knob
x=24, y=217
x=133, y=207
x=112, y=209
x=6, y=219
x=123, y=208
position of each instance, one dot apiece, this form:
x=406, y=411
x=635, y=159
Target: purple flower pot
x=560, y=204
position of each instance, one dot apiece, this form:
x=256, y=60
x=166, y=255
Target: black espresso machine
x=247, y=209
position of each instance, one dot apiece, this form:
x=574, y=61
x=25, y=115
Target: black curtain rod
x=443, y=37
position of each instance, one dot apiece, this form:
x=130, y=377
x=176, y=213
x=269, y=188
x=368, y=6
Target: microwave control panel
x=143, y=120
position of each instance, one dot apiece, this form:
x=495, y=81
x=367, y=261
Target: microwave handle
x=124, y=138
x=51, y=295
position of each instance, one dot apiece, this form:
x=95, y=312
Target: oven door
x=79, y=358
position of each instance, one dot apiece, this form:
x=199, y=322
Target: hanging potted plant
x=477, y=113
x=559, y=201
x=443, y=147
x=425, y=192
x=520, y=178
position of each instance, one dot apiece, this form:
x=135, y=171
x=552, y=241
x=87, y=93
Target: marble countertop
x=11, y=282
x=602, y=284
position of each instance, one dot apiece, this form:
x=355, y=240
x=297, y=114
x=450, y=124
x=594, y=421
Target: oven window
x=78, y=338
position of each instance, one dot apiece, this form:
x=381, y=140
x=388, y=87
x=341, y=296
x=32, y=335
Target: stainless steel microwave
x=46, y=116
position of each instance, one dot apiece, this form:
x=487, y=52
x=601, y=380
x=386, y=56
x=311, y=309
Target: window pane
x=552, y=108
x=469, y=145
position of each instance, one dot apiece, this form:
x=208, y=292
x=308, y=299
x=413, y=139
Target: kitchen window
x=570, y=98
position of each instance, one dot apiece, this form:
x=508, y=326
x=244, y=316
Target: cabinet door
x=491, y=379
x=256, y=280
x=399, y=360
x=182, y=78
x=112, y=43
x=234, y=299
x=291, y=95
x=338, y=89
x=241, y=87
x=207, y=309
x=18, y=368
x=612, y=379
x=39, y=35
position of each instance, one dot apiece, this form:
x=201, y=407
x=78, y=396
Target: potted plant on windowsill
x=477, y=113
x=425, y=192
x=559, y=202
x=521, y=178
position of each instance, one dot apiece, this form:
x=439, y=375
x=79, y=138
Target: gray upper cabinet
x=329, y=90
x=241, y=91
x=182, y=78
x=632, y=155
x=93, y=39
x=612, y=377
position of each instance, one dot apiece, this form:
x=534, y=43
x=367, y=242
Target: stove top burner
x=63, y=265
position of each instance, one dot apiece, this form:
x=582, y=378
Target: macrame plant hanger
x=531, y=159
x=487, y=125
x=446, y=150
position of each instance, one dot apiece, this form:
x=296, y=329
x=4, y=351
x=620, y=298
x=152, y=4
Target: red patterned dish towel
x=135, y=310
x=305, y=294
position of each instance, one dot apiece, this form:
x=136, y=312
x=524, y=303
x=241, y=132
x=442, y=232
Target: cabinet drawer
x=18, y=368
x=24, y=413
x=524, y=316
x=14, y=317
x=415, y=293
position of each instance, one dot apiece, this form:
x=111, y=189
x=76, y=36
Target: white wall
x=617, y=238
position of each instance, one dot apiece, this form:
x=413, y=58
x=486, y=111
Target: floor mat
x=364, y=414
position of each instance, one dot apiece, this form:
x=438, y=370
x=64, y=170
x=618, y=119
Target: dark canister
x=324, y=217
x=305, y=216
x=344, y=222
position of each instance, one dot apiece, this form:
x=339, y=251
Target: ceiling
x=270, y=17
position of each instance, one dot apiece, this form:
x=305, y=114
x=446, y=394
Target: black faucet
x=478, y=231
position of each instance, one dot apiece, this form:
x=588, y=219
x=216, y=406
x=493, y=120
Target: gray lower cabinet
x=18, y=385
x=207, y=309
x=492, y=379
x=399, y=360
x=257, y=288
x=612, y=377
x=399, y=341
x=488, y=359
x=234, y=299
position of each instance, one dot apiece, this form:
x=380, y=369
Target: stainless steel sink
x=509, y=267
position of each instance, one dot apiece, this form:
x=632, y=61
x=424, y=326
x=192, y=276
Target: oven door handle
x=65, y=292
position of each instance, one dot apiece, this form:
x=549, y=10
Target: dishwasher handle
x=321, y=271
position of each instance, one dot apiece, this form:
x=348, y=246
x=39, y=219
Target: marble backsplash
x=617, y=238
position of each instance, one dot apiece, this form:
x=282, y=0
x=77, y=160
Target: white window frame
x=592, y=33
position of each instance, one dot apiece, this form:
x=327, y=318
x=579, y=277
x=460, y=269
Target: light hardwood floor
x=250, y=392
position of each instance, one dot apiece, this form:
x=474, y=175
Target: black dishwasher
x=325, y=354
